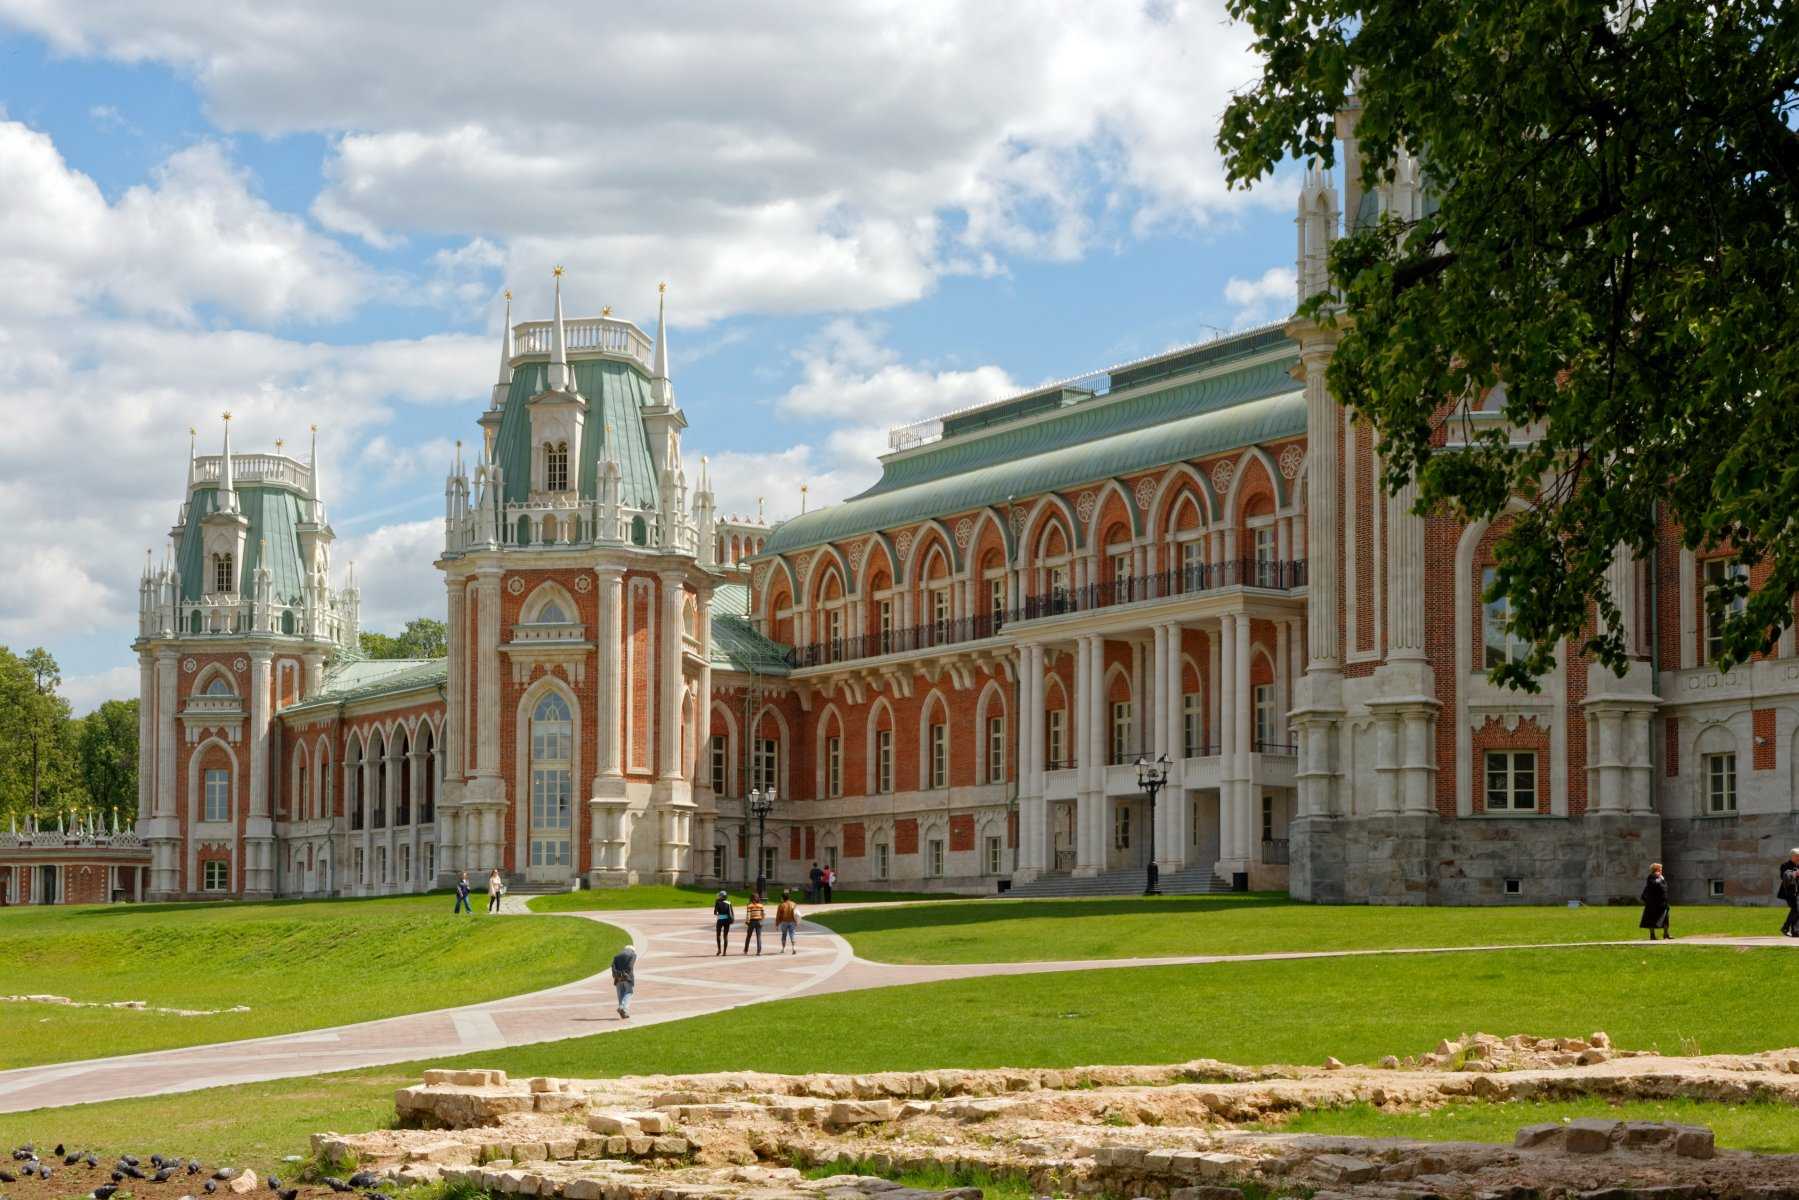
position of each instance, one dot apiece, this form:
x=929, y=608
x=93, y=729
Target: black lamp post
x=1151, y=777
x=760, y=804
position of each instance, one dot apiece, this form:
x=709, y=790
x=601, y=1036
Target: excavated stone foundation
x=1155, y=1131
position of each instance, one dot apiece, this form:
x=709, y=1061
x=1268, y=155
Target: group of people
x=496, y=887
x=1655, y=898
x=823, y=880
x=787, y=921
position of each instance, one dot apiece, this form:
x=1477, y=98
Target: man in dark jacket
x=462, y=904
x=817, y=876
x=722, y=916
x=1789, y=891
x=1655, y=903
x=624, y=978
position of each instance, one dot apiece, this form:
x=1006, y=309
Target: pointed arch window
x=552, y=781
x=555, y=467
x=220, y=686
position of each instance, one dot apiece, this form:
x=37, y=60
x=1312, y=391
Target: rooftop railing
x=588, y=333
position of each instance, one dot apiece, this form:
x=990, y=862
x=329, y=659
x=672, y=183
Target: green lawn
x=1671, y=996
x=1765, y=1127
x=1140, y=927
x=296, y=964
x=663, y=895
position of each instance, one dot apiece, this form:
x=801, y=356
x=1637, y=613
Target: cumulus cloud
x=394, y=572
x=85, y=693
x=1261, y=300
x=816, y=156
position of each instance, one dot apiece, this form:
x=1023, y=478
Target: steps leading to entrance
x=524, y=887
x=1194, y=881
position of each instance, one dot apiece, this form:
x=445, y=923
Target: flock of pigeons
x=29, y=1165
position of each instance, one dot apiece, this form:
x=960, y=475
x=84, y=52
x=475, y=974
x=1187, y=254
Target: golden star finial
x=192, y=432
x=314, y=428
x=227, y=414
x=280, y=443
x=661, y=288
x=557, y=272
x=606, y=311
x=507, y=293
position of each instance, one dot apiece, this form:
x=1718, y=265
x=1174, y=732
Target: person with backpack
x=462, y=904
x=752, y=925
x=723, y=914
x=787, y=920
x=1789, y=891
x=624, y=978
x=830, y=882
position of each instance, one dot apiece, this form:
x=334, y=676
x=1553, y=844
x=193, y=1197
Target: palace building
x=946, y=681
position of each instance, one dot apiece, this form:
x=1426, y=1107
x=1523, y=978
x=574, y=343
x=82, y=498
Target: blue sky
x=864, y=217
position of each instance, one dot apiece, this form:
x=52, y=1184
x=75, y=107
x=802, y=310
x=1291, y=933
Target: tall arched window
x=555, y=467
x=552, y=781
x=403, y=803
x=428, y=806
x=353, y=783
x=223, y=577
x=378, y=784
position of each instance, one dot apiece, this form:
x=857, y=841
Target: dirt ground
x=71, y=1180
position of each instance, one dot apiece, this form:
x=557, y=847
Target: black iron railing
x=1289, y=748
x=1243, y=572
x=1274, y=852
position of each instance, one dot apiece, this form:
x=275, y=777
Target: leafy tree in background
x=1614, y=239
x=423, y=638
x=38, y=773
x=107, y=750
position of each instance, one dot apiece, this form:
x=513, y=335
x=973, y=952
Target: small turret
x=561, y=379
x=227, y=492
x=1317, y=226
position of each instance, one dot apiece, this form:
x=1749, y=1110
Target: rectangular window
x=555, y=468
x=222, y=575
x=834, y=624
x=1511, y=781
x=218, y=795
x=934, y=858
x=1121, y=730
x=996, y=597
x=301, y=810
x=884, y=761
x=405, y=864
x=1501, y=645
x=831, y=857
x=721, y=762
x=718, y=862
x=1121, y=575
x=1265, y=561
x=880, y=860
x=1719, y=571
x=430, y=861
x=834, y=766
x=1052, y=729
x=993, y=859
x=1058, y=578
x=766, y=769
x=886, y=627
x=1121, y=827
x=217, y=875
x=1193, y=561
x=362, y=875
x=996, y=749
x=939, y=756
x=1193, y=724
x=768, y=862
x=380, y=864
x=940, y=608
x=1267, y=818
x=1721, y=783
x=1264, y=716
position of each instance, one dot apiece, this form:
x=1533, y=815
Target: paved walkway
x=678, y=976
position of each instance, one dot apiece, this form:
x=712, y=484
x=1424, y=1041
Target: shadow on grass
x=984, y=912
x=129, y=909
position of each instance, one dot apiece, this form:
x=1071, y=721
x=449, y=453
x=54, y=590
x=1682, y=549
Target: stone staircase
x=517, y=885
x=1193, y=881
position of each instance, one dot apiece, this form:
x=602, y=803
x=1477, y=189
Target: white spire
x=561, y=378
x=659, y=367
x=193, y=439
x=313, y=491
x=503, y=382
x=227, y=493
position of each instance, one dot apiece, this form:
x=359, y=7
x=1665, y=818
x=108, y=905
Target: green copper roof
x=349, y=679
x=615, y=393
x=274, y=515
x=1096, y=439
x=736, y=646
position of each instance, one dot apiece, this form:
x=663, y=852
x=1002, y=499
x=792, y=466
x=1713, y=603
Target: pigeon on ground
x=274, y=1183
x=8, y=1177
x=211, y=1187
x=290, y=1194
x=225, y=1174
x=375, y=1196
x=156, y=1160
x=193, y=1166
x=364, y=1179
x=162, y=1176
x=69, y=1160
x=43, y=1172
x=58, y=1149
x=336, y=1184
x=118, y=1176
x=91, y=1160
x=126, y=1158
x=105, y=1190
x=131, y=1169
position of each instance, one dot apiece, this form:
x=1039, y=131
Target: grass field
x=663, y=895
x=296, y=965
x=1672, y=996
x=1138, y=927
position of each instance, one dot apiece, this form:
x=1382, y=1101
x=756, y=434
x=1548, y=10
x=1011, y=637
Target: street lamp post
x=760, y=804
x=1151, y=777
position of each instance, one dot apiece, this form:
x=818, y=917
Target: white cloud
x=85, y=693
x=820, y=155
x=394, y=572
x=1259, y=301
x=194, y=236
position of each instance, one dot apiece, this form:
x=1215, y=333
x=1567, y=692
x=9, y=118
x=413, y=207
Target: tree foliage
x=107, y=750
x=423, y=638
x=37, y=740
x=1613, y=238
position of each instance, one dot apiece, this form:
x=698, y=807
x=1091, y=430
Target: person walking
x=787, y=920
x=1789, y=891
x=624, y=978
x=722, y=916
x=817, y=878
x=494, y=888
x=462, y=904
x=1655, y=903
x=830, y=882
x=752, y=925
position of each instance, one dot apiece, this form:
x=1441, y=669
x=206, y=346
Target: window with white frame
x=940, y=606
x=1121, y=827
x=1193, y=723
x=555, y=467
x=934, y=858
x=1511, y=781
x=993, y=857
x=1121, y=730
x=884, y=761
x=1264, y=715
x=718, y=862
x=360, y=862
x=1501, y=645
x=996, y=595
x=1267, y=818
x=405, y=864
x=1265, y=548
x=768, y=862
x=218, y=794
x=937, y=754
x=886, y=626
x=300, y=807
x=215, y=875
x=430, y=860
x=1718, y=573
x=996, y=749
x=1053, y=727
x=1720, y=783
x=721, y=763
x=1121, y=566
x=834, y=766
x=1058, y=577
x=224, y=578
x=1193, y=562
x=765, y=767
x=831, y=857
x=880, y=860
x=380, y=864
x=834, y=624
x=552, y=782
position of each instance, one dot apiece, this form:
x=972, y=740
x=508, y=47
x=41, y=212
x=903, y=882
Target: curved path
x=678, y=976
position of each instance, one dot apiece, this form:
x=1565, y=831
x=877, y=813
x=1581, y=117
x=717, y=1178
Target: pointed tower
x=705, y=517
x=560, y=378
x=1317, y=225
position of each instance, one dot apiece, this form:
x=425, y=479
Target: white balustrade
x=592, y=333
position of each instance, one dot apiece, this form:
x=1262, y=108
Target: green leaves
x=1611, y=237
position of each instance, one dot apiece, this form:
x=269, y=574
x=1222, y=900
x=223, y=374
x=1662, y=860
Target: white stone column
x=1030, y=755
x=1405, y=570
x=146, y=735
x=611, y=637
x=1090, y=819
x=487, y=658
x=1215, y=738
x=1227, y=740
x=452, y=853
x=670, y=686
x=259, y=830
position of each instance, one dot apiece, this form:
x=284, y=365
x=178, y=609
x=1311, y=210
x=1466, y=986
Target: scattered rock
x=1333, y=1064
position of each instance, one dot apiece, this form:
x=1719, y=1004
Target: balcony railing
x=1287, y=748
x=1274, y=852
x=1245, y=572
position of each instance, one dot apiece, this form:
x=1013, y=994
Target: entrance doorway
x=46, y=891
x=1061, y=835
x=552, y=790
x=1206, y=840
